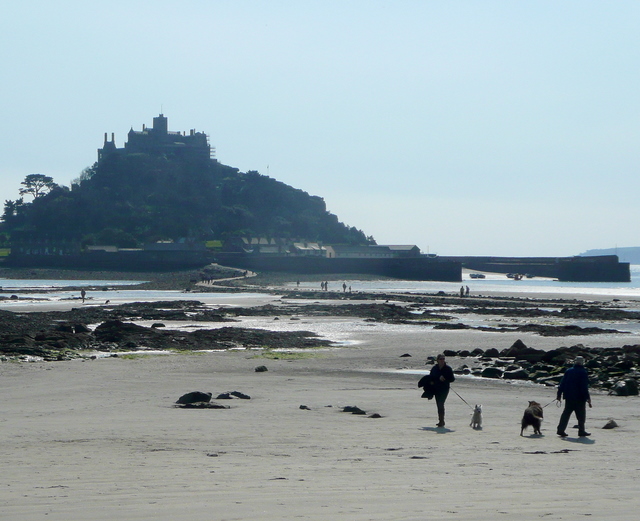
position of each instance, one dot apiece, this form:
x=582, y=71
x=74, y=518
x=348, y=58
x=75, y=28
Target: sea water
x=495, y=283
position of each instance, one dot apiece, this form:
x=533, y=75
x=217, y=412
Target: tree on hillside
x=37, y=185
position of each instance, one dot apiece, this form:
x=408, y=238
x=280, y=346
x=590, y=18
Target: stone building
x=159, y=140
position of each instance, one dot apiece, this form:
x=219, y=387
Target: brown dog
x=532, y=417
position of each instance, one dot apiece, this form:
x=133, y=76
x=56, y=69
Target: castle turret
x=160, y=124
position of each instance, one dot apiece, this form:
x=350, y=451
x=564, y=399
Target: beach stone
x=611, y=424
x=353, y=409
x=406, y=355
x=240, y=395
x=261, y=369
x=492, y=352
x=520, y=351
x=491, y=372
x=81, y=328
x=518, y=374
x=157, y=324
x=627, y=387
x=305, y=408
x=224, y=396
x=194, y=397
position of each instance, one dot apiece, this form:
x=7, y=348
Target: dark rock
x=477, y=352
x=353, y=409
x=375, y=415
x=80, y=328
x=492, y=352
x=240, y=395
x=627, y=387
x=491, y=372
x=194, y=397
x=305, y=408
x=224, y=396
x=520, y=351
x=261, y=369
x=406, y=355
x=157, y=324
x=518, y=374
x=611, y=424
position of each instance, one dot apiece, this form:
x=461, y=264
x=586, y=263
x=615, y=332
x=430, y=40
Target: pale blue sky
x=465, y=127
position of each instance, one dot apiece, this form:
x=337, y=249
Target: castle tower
x=160, y=125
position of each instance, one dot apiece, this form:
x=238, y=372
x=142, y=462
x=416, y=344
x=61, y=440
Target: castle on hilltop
x=158, y=141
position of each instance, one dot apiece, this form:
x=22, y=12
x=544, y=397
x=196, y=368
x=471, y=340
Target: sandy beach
x=102, y=439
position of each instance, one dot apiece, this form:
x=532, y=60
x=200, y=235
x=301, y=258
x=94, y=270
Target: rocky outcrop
x=614, y=369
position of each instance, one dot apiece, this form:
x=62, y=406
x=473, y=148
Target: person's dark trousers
x=579, y=407
x=441, y=397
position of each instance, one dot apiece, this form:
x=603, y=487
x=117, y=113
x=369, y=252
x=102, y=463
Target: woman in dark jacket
x=441, y=376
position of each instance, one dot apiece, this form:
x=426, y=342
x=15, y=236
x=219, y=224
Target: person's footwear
x=583, y=434
x=562, y=434
x=440, y=424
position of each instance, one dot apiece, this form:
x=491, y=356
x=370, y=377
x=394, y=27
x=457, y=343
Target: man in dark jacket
x=575, y=388
x=440, y=378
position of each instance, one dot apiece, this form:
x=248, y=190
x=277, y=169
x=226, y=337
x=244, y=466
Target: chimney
x=105, y=138
x=113, y=137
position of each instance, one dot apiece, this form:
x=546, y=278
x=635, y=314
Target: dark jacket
x=574, y=385
x=435, y=375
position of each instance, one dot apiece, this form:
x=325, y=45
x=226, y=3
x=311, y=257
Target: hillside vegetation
x=129, y=200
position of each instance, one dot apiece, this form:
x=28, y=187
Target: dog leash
x=551, y=403
x=465, y=401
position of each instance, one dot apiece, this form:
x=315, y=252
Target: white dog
x=476, y=419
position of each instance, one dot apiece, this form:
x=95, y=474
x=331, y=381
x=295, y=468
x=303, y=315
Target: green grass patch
x=287, y=355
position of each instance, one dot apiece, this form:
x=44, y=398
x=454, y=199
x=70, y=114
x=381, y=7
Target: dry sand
x=102, y=440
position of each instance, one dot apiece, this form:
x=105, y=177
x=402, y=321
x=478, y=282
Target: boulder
x=518, y=374
x=492, y=353
x=520, y=351
x=261, y=369
x=611, y=424
x=194, y=397
x=627, y=387
x=491, y=372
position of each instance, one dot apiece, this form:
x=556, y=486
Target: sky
x=465, y=127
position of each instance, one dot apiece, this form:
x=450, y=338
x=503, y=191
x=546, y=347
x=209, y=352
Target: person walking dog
x=574, y=386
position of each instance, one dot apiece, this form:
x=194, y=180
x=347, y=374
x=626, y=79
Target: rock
x=305, y=408
x=194, y=397
x=240, y=395
x=80, y=328
x=157, y=324
x=261, y=369
x=627, y=387
x=492, y=353
x=518, y=374
x=375, y=415
x=611, y=424
x=224, y=396
x=491, y=372
x=353, y=409
x=520, y=351
x=406, y=355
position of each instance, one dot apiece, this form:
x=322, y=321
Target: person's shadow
x=439, y=430
x=580, y=439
